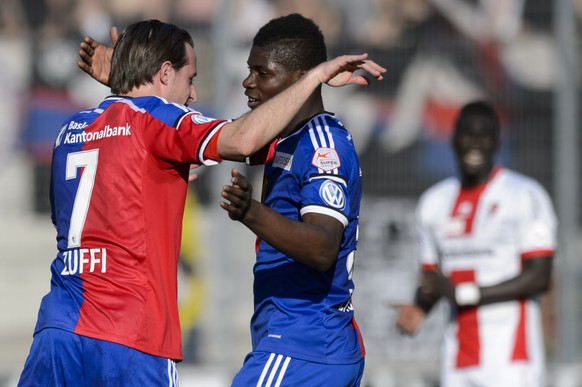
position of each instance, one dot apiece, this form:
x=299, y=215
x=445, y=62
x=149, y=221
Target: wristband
x=467, y=293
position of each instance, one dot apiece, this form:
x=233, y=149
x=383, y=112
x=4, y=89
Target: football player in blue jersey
x=118, y=189
x=303, y=328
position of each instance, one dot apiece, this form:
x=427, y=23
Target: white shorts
x=510, y=375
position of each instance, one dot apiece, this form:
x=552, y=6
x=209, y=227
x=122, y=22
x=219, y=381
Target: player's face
x=266, y=77
x=182, y=88
x=475, y=146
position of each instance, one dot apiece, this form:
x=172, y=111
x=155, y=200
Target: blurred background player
x=487, y=241
x=119, y=181
x=303, y=328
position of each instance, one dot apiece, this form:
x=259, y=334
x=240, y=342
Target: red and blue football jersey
x=299, y=311
x=118, y=188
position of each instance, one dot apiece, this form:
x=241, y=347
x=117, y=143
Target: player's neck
x=477, y=179
x=310, y=108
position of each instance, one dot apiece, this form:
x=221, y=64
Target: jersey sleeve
x=176, y=134
x=326, y=176
x=263, y=155
x=427, y=249
x=538, y=223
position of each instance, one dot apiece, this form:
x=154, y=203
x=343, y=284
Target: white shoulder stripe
x=325, y=211
x=130, y=103
x=321, y=136
x=313, y=137
x=328, y=132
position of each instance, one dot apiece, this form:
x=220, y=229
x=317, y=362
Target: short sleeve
x=538, y=224
x=427, y=249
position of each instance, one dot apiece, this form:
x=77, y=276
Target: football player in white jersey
x=487, y=240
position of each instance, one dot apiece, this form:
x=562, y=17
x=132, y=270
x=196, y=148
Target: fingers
x=233, y=194
x=86, y=53
x=239, y=180
x=361, y=62
x=373, y=69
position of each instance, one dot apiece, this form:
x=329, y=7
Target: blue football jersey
x=299, y=311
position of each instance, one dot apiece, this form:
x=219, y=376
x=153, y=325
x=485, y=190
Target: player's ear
x=165, y=72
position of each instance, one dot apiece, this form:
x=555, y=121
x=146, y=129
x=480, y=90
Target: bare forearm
x=527, y=284
x=305, y=243
x=255, y=129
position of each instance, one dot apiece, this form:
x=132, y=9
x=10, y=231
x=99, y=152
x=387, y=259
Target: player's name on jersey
x=468, y=253
x=84, y=261
x=107, y=131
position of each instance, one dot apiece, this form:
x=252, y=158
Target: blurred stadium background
x=523, y=54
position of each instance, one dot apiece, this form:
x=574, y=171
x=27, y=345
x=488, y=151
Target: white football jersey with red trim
x=482, y=235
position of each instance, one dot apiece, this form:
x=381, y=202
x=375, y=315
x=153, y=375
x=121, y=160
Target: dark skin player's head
x=476, y=142
x=283, y=50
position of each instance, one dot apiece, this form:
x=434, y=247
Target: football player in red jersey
x=487, y=241
x=118, y=188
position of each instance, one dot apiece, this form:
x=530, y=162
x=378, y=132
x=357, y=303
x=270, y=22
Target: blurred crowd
x=440, y=53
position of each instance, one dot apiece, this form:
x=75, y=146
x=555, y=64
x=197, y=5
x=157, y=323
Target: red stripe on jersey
x=466, y=204
x=429, y=266
x=265, y=155
x=544, y=253
x=468, y=326
x=520, y=345
x=360, y=339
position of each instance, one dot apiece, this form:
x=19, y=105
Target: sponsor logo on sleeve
x=283, y=160
x=326, y=159
x=333, y=194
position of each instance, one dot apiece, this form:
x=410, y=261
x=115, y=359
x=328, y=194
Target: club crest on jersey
x=332, y=193
x=326, y=159
x=200, y=119
x=283, y=160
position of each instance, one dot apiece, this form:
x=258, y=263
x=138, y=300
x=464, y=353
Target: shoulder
x=169, y=113
x=325, y=131
x=521, y=183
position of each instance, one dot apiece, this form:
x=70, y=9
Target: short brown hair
x=141, y=50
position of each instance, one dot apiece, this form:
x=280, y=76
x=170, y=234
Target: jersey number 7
x=88, y=161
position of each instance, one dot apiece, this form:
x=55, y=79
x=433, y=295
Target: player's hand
x=340, y=70
x=193, y=175
x=96, y=57
x=434, y=283
x=238, y=195
x=409, y=318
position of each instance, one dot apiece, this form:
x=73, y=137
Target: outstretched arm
x=249, y=133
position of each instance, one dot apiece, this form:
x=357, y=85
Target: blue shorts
x=263, y=369
x=61, y=358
